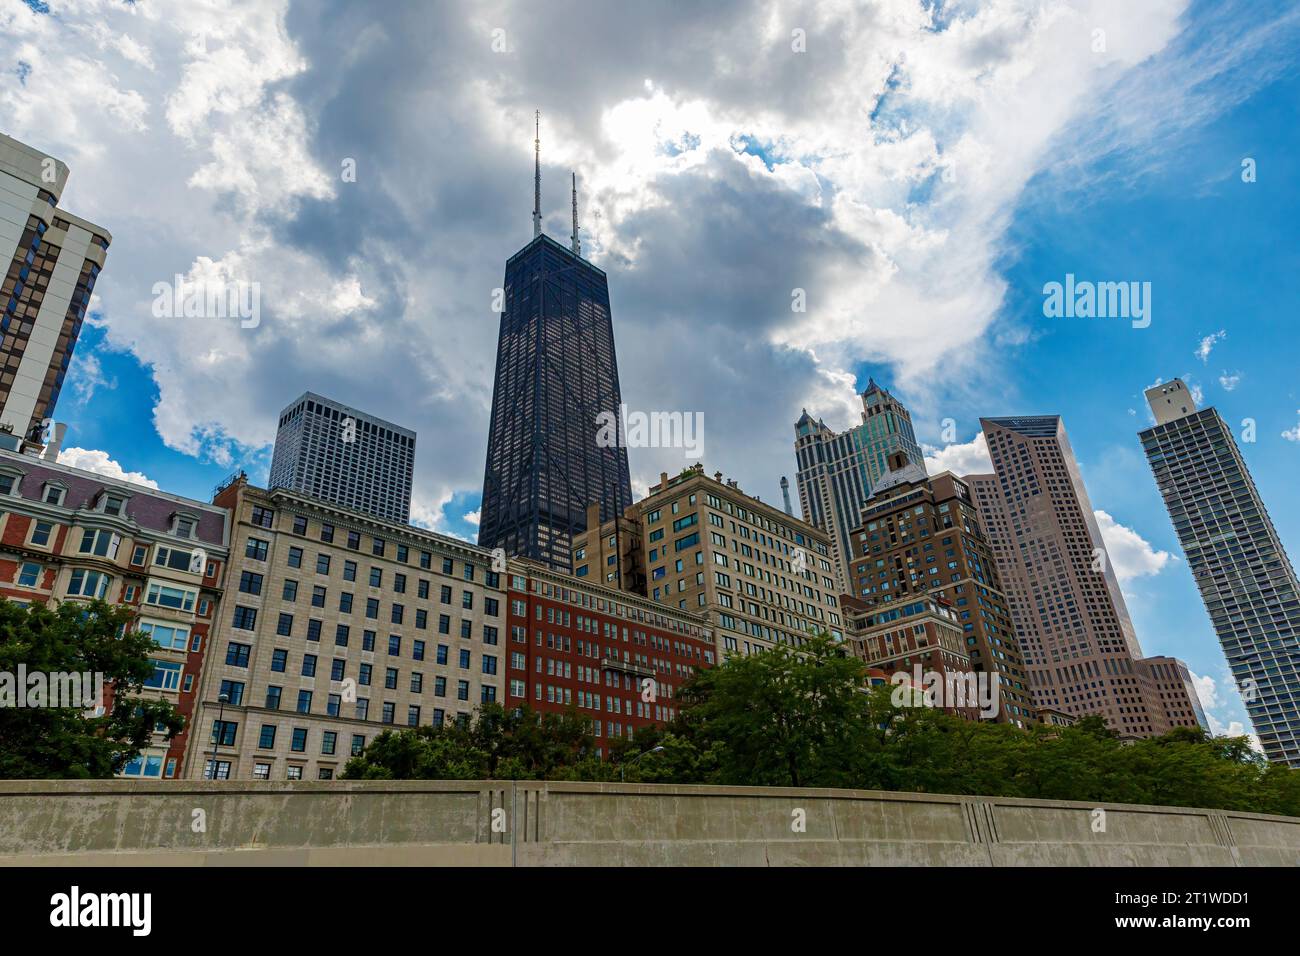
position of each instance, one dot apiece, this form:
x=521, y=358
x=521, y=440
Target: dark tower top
x=556, y=372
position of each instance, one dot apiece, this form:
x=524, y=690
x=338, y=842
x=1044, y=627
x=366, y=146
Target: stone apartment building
x=72, y=535
x=337, y=626
x=701, y=544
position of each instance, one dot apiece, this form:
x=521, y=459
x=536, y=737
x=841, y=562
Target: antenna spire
x=577, y=243
x=537, y=177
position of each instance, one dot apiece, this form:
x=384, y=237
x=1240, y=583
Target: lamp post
x=216, y=733
x=622, y=768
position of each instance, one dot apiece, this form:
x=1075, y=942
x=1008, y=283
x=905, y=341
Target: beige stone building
x=336, y=626
x=699, y=543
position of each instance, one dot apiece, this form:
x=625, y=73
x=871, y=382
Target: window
x=394, y=645
x=376, y=577
x=284, y=626
x=327, y=533
x=245, y=618
x=234, y=692
x=295, y=557
x=322, y=564
x=166, y=676
x=256, y=549
x=183, y=527
x=354, y=540
x=250, y=582
x=293, y=771
x=328, y=741
x=52, y=494
x=273, y=693
x=104, y=544
x=28, y=574
x=349, y=570
x=317, y=596
x=237, y=654
x=41, y=532
x=266, y=739
x=169, y=636
x=299, y=525
x=304, y=702
x=309, y=665
x=8, y=484
x=279, y=659
x=139, y=554
x=261, y=771
x=358, y=744
x=299, y=742
x=377, y=548
x=91, y=584
x=182, y=599
x=388, y=712
x=263, y=517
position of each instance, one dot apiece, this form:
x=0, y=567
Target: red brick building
x=72, y=535
x=614, y=657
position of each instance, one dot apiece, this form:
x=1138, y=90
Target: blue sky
x=920, y=175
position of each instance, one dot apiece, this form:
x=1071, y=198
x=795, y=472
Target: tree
x=94, y=638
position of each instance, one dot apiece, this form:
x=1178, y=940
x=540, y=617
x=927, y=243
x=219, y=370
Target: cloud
x=1207, y=344
x=1293, y=434
x=1229, y=380
x=719, y=171
x=88, y=459
x=471, y=518
x=970, y=458
x=1206, y=689
x=1131, y=556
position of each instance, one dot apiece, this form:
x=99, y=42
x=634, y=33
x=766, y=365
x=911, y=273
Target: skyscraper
x=922, y=537
x=52, y=259
x=337, y=453
x=1079, y=645
x=838, y=470
x=1233, y=551
x=556, y=372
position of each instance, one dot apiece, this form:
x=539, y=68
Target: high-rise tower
x=1079, y=644
x=51, y=260
x=838, y=470
x=1236, y=557
x=337, y=453
x=556, y=372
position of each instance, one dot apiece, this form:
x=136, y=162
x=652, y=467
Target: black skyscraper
x=555, y=373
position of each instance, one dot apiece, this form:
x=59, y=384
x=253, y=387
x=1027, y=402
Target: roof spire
x=537, y=176
x=577, y=243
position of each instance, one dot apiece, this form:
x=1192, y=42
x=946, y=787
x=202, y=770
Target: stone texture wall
x=470, y=823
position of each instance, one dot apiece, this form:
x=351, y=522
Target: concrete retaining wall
x=423, y=823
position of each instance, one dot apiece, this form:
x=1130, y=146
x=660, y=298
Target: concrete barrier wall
x=423, y=823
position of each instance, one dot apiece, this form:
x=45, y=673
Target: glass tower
x=556, y=372
x=1234, y=553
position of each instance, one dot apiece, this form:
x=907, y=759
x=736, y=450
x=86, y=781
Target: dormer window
x=113, y=504
x=53, y=492
x=183, y=525
x=10, y=479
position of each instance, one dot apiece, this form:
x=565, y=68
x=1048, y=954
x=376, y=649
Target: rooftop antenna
x=537, y=177
x=577, y=243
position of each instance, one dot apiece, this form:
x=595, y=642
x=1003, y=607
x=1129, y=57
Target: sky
x=787, y=197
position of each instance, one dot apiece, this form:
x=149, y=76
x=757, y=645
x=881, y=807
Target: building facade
x=760, y=576
x=1233, y=551
x=1069, y=614
x=71, y=535
x=838, y=470
x=614, y=657
x=556, y=374
x=51, y=260
x=338, y=626
x=922, y=537
x=336, y=453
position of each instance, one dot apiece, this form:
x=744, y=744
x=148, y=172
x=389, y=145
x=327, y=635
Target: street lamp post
x=622, y=768
x=216, y=733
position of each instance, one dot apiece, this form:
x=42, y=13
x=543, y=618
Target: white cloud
x=969, y=458
x=1229, y=380
x=1207, y=344
x=1293, y=434
x=1207, y=690
x=1131, y=556
x=88, y=459
x=471, y=518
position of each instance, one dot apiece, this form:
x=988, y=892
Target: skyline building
x=340, y=454
x=556, y=374
x=1079, y=645
x=700, y=544
x=1233, y=551
x=921, y=552
x=838, y=470
x=51, y=260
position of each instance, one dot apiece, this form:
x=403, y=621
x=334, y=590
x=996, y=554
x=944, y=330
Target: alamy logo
x=948, y=689
x=624, y=429
x=1100, y=300
x=209, y=299
x=71, y=689
x=103, y=909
